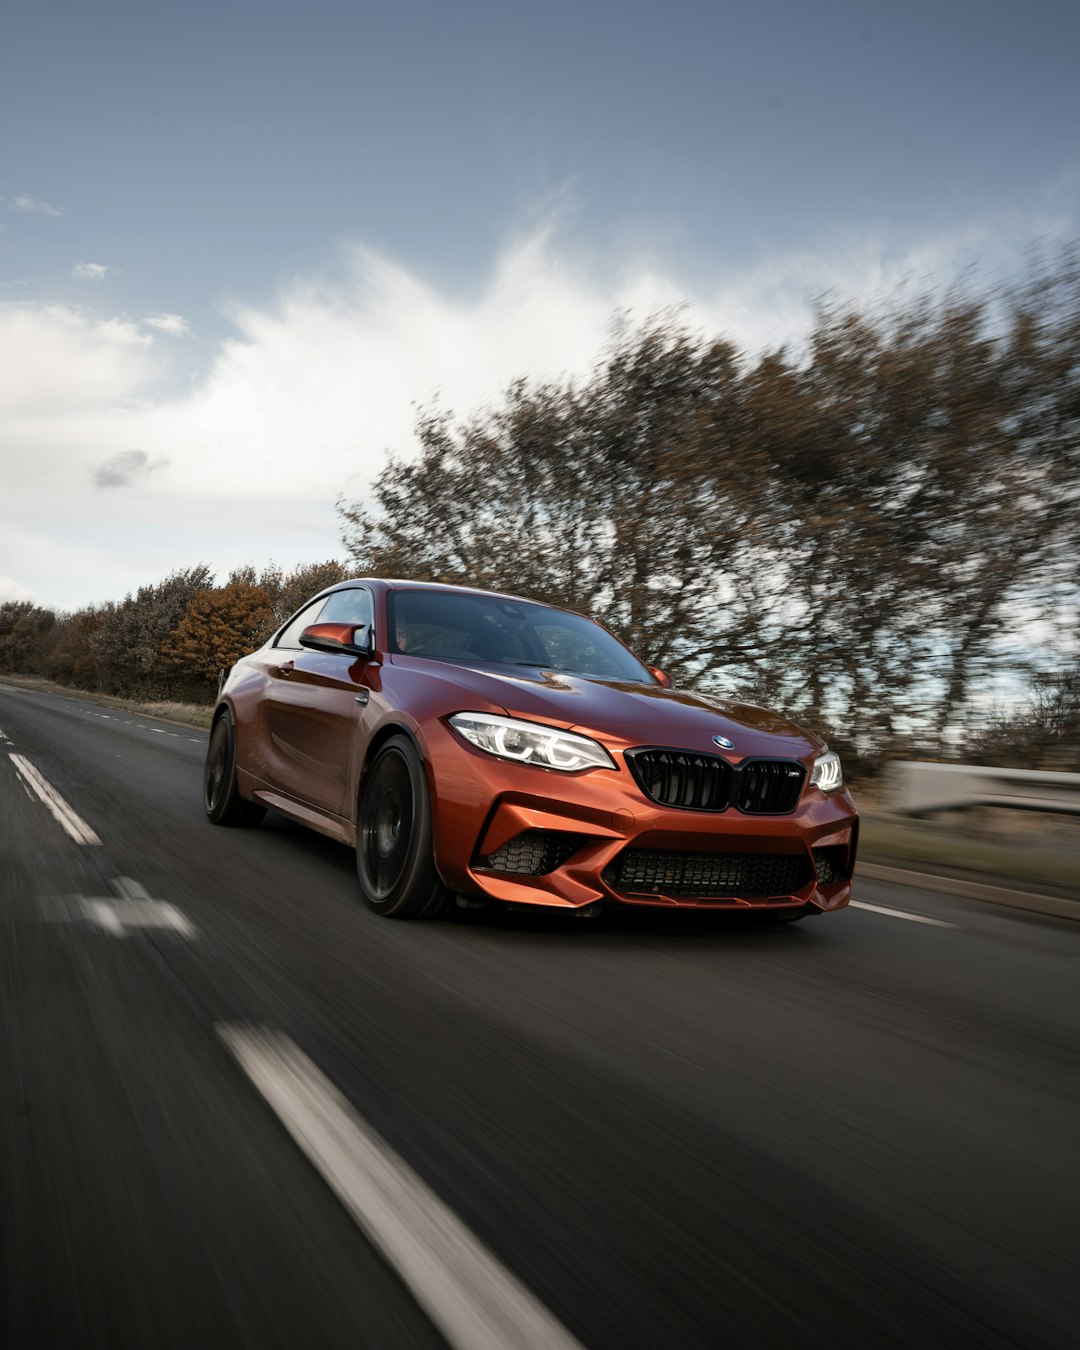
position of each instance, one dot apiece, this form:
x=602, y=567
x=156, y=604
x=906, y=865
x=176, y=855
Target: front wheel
x=221, y=799
x=395, y=859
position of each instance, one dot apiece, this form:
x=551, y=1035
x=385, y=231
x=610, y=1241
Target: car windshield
x=488, y=630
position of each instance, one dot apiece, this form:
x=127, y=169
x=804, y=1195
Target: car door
x=314, y=704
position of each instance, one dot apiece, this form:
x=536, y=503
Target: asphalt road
x=861, y=1130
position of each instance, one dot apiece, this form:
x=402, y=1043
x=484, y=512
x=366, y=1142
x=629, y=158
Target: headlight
x=530, y=743
x=826, y=773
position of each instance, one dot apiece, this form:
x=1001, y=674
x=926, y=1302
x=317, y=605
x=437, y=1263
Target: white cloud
x=69, y=548
x=91, y=271
x=23, y=203
x=311, y=391
x=175, y=325
x=11, y=590
x=59, y=366
x=305, y=399
x=50, y=546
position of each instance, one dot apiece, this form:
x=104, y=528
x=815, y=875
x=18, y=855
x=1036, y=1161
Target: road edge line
x=1052, y=905
x=902, y=914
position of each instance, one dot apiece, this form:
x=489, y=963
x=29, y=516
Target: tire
x=395, y=859
x=221, y=799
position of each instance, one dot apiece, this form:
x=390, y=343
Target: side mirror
x=344, y=638
x=662, y=678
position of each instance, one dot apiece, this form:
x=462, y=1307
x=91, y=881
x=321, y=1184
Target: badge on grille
x=723, y=743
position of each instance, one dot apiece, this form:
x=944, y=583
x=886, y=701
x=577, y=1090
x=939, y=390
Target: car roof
x=402, y=584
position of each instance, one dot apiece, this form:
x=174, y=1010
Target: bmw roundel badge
x=723, y=743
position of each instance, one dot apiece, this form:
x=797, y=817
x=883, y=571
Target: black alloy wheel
x=221, y=799
x=395, y=859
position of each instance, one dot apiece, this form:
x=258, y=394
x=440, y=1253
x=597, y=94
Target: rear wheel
x=395, y=859
x=221, y=800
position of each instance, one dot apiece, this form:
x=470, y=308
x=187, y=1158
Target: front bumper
x=605, y=840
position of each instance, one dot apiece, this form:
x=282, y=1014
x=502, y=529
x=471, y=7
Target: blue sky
x=238, y=241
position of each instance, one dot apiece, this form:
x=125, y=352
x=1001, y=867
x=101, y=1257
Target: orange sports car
x=476, y=748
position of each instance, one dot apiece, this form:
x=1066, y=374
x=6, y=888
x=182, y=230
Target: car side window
x=352, y=606
x=290, y=637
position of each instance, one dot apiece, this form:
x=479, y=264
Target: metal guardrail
x=918, y=789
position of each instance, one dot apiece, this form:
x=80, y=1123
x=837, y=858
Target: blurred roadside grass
x=182, y=714
x=1027, y=851
x=1010, y=846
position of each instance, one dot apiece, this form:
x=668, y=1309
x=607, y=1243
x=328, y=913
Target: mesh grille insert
x=645, y=871
x=532, y=853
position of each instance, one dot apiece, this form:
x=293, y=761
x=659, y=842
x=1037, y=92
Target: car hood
x=636, y=713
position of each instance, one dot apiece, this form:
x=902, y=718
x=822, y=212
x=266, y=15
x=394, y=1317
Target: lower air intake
x=832, y=865
x=715, y=876
x=531, y=854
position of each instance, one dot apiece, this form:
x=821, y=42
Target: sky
x=240, y=243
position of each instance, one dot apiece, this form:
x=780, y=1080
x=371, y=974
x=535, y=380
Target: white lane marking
x=902, y=914
x=73, y=823
x=100, y=912
x=119, y=916
x=134, y=909
x=128, y=722
x=471, y=1297
x=3, y=736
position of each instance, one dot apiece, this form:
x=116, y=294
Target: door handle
x=362, y=697
x=287, y=667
